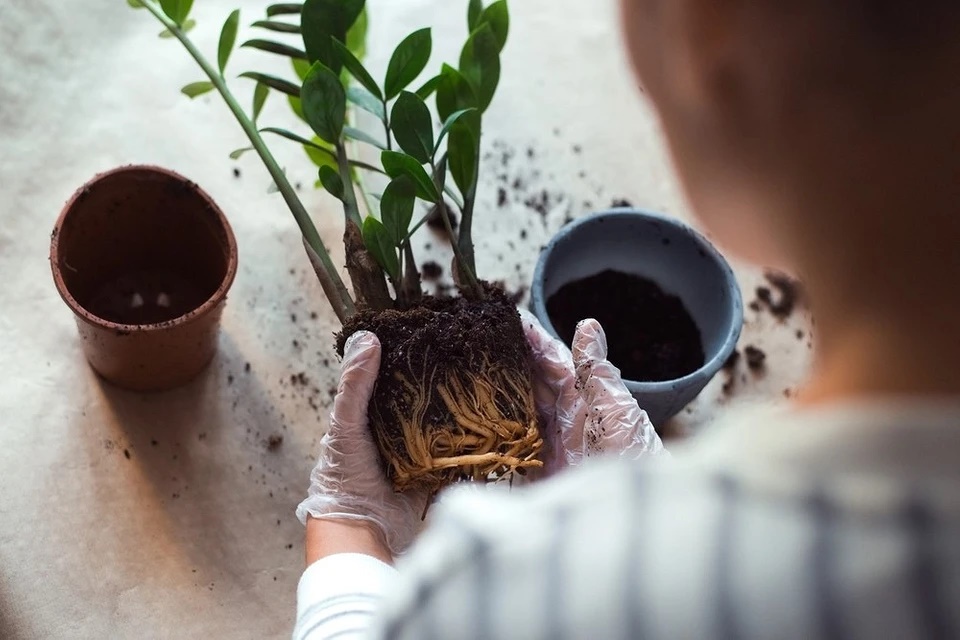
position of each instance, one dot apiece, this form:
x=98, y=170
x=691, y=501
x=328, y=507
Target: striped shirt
x=831, y=523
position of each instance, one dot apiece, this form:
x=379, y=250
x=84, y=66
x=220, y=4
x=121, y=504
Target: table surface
x=168, y=515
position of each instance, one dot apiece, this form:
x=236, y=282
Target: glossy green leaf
x=195, y=89
x=323, y=21
x=321, y=153
x=451, y=120
x=362, y=136
x=276, y=47
x=480, y=64
x=136, y=4
x=474, y=11
x=297, y=107
x=331, y=181
x=324, y=103
x=284, y=86
x=366, y=101
x=357, y=36
x=228, y=38
x=276, y=25
x=400, y=164
x=463, y=154
x=260, y=95
x=454, y=93
x=186, y=27
x=407, y=62
x=412, y=126
x=284, y=9
x=357, y=70
x=177, y=10
x=377, y=241
x=428, y=88
x=497, y=15
x=301, y=68
x=236, y=153
x=396, y=208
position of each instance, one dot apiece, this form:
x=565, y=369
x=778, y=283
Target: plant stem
x=349, y=190
x=466, y=270
x=330, y=280
x=386, y=126
x=465, y=239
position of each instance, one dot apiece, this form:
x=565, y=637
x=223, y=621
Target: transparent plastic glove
x=582, y=402
x=348, y=481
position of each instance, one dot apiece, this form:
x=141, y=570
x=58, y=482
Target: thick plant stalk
x=333, y=286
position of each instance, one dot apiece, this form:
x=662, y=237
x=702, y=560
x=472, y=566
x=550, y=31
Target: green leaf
x=377, y=241
x=357, y=36
x=176, y=10
x=400, y=164
x=228, y=38
x=480, y=64
x=331, y=181
x=497, y=15
x=195, y=89
x=276, y=47
x=362, y=136
x=187, y=26
x=289, y=135
x=454, y=93
x=323, y=21
x=324, y=103
x=452, y=120
x=407, y=62
x=284, y=9
x=474, y=10
x=321, y=154
x=428, y=88
x=236, y=153
x=301, y=68
x=463, y=153
x=297, y=107
x=366, y=101
x=284, y=86
x=396, y=208
x=136, y=4
x=276, y=25
x=412, y=126
x=357, y=70
x=260, y=95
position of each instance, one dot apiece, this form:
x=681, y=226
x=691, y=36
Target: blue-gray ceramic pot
x=671, y=254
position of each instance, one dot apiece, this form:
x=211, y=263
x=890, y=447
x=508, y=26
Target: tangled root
x=488, y=431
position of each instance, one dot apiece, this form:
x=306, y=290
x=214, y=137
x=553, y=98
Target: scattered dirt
x=126, y=454
x=435, y=220
x=236, y=172
x=732, y=361
x=785, y=301
x=431, y=271
x=619, y=203
x=274, y=443
x=756, y=359
x=651, y=335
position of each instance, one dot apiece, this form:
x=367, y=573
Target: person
x=821, y=137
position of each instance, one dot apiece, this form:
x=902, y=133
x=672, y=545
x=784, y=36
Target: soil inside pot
x=650, y=334
x=146, y=297
x=454, y=391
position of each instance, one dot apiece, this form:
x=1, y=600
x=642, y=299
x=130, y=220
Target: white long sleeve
x=338, y=596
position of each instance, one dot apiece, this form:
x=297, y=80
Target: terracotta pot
x=144, y=259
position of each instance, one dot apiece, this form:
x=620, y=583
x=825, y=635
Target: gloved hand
x=583, y=404
x=348, y=481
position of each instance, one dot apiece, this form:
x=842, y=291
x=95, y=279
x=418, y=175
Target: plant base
x=454, y=399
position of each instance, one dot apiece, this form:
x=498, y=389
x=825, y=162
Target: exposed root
x=492, y=433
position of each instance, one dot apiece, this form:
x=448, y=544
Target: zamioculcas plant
x=454, y=398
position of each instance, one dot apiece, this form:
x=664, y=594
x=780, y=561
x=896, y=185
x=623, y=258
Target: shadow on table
x=211, y=455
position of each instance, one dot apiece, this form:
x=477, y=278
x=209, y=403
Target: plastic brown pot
x=144, y=259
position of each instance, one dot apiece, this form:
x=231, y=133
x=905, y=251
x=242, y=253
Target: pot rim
x=710, y=367
x=209, y=305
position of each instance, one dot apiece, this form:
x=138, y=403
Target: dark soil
x=147, y=297
x=650, y=334
x=432, y=340
x=787, y=295
x=756, y=359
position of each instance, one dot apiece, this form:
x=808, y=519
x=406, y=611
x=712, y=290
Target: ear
x=702, y=67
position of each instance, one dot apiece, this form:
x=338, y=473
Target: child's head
x=793, y=122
